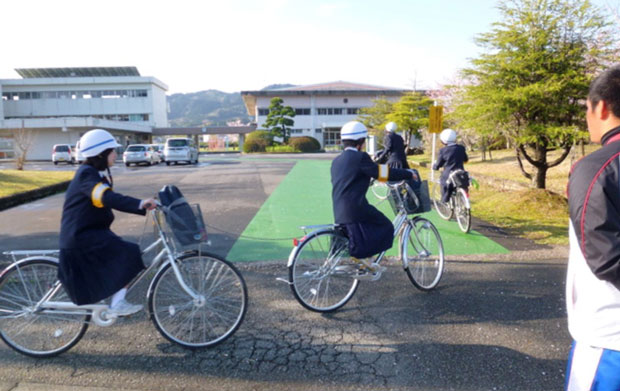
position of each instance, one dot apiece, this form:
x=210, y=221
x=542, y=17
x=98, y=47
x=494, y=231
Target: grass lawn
x=531, y=213
x=15, y=181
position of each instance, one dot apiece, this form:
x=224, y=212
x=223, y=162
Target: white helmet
x=391, y=127
x=353, y=130
x=96, y=141
x=448, y=136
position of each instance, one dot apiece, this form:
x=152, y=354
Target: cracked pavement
x=493, y=323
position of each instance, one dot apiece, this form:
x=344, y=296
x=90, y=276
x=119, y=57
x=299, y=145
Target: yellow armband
x=384, y=172
x=96, y=195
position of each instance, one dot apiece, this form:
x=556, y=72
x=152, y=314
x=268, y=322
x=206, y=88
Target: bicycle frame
x=162, y=259
x=400, y=221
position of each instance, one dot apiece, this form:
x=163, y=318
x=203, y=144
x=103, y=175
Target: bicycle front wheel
x=423, y=252
x=211, y=318
x=322, y=273
x=462, y=211
x=379, y=189
x=31, y=330
x=443, y=208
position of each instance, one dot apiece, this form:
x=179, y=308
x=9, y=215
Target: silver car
x=140, y=153
x=180, y=150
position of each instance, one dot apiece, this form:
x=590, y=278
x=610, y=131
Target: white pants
x=592, y=369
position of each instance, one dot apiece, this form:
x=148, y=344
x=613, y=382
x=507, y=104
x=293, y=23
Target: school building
x=59, y=105
x=320, y=109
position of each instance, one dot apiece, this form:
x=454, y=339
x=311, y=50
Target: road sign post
x=435, y=125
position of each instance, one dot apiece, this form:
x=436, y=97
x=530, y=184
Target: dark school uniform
x=451, y=157
x=369, y=231
x=94, y=262
x=394, y=148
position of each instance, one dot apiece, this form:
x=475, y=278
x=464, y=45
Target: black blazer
x=351, y=173
x=394, y=147
x=451, y=157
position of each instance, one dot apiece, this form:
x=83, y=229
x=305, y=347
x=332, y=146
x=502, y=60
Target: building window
x=331, y=111
x=318, y=130
x=331, y=137
x=304, y=111
x=352, y=110
x=263, y=111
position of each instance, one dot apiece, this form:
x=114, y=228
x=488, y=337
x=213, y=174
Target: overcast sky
x=234, y=45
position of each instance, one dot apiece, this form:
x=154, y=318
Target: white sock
x=118, y=296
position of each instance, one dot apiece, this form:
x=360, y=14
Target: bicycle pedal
x=371, y=275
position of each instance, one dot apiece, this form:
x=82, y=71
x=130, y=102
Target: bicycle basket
x=185, y=224
x=412, y=201
x=460, y=178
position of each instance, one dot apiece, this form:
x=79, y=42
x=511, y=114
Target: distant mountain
x=206, y=108
x=277, y=86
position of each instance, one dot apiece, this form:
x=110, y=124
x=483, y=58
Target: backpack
x=185, y=223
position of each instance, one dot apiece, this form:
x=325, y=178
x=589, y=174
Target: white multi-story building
x=58, y=105
x=320, y=109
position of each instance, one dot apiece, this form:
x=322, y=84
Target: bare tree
x=23, y=139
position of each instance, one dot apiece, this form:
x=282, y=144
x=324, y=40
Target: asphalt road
x=494, y=323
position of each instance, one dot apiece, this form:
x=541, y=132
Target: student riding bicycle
x=369, y=231
x=451, y=157
x=94, y=262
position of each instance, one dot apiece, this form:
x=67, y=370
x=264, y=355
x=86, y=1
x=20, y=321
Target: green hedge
x=305, y=144
x=257, y=141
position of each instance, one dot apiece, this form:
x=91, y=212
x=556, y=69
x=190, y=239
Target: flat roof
x=37, y=73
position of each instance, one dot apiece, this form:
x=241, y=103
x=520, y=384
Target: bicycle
x=323, y=276
x=458, y=205
x=195, y=299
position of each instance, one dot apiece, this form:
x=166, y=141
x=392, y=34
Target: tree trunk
x=540, y=154
x=540, y=181
x=484, y=149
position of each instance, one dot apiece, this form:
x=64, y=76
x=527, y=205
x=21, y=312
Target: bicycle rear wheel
x=424, y=253
x=26, y=329
x=444, y=210
x=205, y=322
x=379, y=189
x=462, y=211
x=322, y=274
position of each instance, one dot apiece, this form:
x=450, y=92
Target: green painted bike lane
x=304, y=198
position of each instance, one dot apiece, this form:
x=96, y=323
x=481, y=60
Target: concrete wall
x=154, y=104
x=314, y=125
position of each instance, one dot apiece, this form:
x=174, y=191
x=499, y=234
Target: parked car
x=62, y=153
x=180, y=150
x=76, y=154
x=140, y=153
x=159, y=150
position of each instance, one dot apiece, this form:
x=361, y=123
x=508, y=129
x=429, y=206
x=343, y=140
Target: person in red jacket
x=593, y=275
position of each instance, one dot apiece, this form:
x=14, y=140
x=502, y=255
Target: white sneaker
x=124, y=308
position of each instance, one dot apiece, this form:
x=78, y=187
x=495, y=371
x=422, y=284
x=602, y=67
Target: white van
x=180, y=150
x=62, y=153
x=76, y=154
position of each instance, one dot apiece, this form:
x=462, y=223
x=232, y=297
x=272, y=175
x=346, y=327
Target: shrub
x=305, y=144
x=281, y=149
x=257, y=141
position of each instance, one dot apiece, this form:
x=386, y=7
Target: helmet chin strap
x=110, y=176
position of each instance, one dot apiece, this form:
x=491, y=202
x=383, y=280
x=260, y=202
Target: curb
x=32, y=195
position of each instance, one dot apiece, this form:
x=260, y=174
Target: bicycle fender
x=295, y=249
x=467, y=204
x=18, y=263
